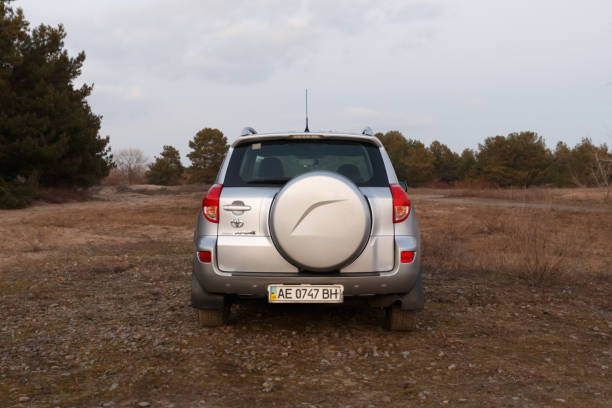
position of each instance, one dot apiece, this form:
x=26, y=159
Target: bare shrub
x=476, y=184
x=445, y=251
x=540, y=258
x=131, y=165
x=525, y=195
x=439, y=185
x=490, y=224
x=194, y=188
x=114, y=178
x=602, y=170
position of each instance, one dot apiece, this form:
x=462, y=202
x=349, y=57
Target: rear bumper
x=400, y=280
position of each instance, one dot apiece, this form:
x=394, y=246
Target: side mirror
x=404, y=185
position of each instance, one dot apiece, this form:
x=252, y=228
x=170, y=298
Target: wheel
x=397, y=319
x=213, y=317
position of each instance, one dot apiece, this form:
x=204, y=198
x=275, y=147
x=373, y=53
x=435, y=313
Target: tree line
x=208, y=148
x=516, y=160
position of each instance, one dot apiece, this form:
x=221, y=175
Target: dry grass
x=59, y=195
x=94, y=309
x=542, y=255
x=117, y=177
x=541, y=195
x=543, y=247
x=597, y=197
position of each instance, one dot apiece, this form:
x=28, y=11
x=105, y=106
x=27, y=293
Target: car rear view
x=307, y=218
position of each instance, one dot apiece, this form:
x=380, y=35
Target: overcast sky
x=456, y=71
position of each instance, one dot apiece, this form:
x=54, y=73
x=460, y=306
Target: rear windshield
x=275, y=162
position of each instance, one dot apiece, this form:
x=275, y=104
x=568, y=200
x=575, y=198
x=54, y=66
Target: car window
x=276, y=162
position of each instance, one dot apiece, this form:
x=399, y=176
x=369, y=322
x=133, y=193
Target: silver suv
x=307, y=218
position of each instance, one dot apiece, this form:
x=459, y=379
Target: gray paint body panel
x=388, y=166
x=223, y=168
x=381, y=207
x=236, y=251
x=307, y=135
x=250, y=254
x=400, y=280
x=255, y=222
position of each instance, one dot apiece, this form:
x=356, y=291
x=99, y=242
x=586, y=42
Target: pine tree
x=411, y=160
x=167, y=169
x=445, y=162
x=519, y=159
x=48, y=133
x=208, y=150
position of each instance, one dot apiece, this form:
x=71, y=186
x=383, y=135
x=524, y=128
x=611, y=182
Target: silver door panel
x=250, y=254
x=378, y=256
x=381, y=205
x=249, y=248
x=253, y=222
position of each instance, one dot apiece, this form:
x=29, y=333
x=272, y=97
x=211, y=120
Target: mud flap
x=201, y=299
x=415, y=299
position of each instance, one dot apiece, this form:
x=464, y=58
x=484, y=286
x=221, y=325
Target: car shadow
x=353, y=314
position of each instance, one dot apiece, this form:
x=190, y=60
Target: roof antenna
x=306, y=130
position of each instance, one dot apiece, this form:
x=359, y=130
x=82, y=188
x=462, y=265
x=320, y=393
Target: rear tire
x=213, y=317
x=397, y=319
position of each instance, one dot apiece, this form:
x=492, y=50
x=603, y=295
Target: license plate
x=305, y=293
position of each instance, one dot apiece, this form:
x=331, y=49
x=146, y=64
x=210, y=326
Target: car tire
x=213, y=317
x=397, y=319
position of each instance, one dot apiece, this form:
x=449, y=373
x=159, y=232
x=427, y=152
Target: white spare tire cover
x=320, y=221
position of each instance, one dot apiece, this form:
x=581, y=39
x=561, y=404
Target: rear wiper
x=269, y=181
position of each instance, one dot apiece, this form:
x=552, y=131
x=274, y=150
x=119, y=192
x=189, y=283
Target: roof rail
x=247, y=131
x=367, y=131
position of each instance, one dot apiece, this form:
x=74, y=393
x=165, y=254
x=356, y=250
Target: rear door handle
x=236, y=207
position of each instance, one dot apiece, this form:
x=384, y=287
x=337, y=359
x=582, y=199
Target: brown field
x=94, y=311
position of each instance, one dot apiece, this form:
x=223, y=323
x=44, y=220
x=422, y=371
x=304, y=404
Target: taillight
x=210, y=204
x=205, y=256
x=406, y=256
x=401, y=203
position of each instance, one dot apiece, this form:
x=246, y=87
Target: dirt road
x=94, y=311
x=506, y=203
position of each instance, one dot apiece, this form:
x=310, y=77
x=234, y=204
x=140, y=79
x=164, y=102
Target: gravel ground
x=94, y=311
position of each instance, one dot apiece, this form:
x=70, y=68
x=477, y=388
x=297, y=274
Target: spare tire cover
x=320, y=221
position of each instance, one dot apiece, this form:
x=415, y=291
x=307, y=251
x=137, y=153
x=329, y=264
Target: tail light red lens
x=401, y=203
x=210, y=204
x=205, y=256
x=407, y=256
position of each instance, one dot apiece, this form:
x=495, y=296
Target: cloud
x=129, y=93
x=386, y=120
x=434, y=69
x=365, y=15
x=251, y=49
x=247, y=51
x=240, y=42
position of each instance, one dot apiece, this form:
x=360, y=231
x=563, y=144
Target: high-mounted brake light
x=401, y=203
x=306, y=137
x=210, y=204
